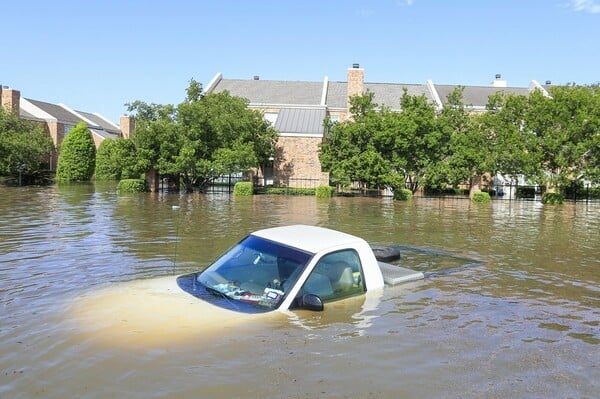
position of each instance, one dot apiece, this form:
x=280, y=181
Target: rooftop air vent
x=355, y=66
x=498, y=76
x=548, y=82
x=256, y=77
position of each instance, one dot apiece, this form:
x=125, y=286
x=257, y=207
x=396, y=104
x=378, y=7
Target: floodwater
x=510, y=306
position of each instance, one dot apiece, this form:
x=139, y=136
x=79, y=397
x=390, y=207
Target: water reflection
x=524, y=322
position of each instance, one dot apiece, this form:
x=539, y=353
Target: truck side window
x=337, y=275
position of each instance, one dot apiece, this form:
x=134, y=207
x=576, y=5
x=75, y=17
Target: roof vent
x=355, y=66
x=5, y=87
x=498, y=76
x=256, y=77
x=548, y=82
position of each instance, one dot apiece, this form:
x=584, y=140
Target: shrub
x=106, y=168
x=116, y=160
x=132, y=186
x=481, y=197
x=553, y=198
x=289, y=191
x=403, y=194
x=77, y=155
x=324, y=192
x=243, y=188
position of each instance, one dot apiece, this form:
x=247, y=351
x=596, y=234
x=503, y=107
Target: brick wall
x=356, y=82
x=127, y=125
x=10, y=100
x=298, y=158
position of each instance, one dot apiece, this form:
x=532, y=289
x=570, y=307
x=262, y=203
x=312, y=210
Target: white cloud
x=590, y=6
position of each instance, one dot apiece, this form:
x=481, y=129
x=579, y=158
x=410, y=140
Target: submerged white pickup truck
x=293, y=267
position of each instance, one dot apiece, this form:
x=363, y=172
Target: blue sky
x=95, y=56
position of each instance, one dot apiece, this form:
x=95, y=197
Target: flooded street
x=510, y=306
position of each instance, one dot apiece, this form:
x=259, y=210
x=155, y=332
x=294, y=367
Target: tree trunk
x=475, y=185
x=152, y=180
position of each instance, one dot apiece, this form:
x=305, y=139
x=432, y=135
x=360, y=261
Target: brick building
x=58, y=119
x=297, y=110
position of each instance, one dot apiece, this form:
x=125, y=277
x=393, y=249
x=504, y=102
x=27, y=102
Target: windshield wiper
x=223, y=295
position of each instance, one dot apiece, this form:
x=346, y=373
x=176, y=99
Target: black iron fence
x=303, y=186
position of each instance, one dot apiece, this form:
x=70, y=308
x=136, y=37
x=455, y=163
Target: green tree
x=350, y=152
x=379, y=147
x=22, y=143
x=513, y=147
x=116, y=160
x=412, y=141
x=204, y=137
x=106, y=167
x=566, y=125
x=77, y=155
x=154, y=136
x=454, y=123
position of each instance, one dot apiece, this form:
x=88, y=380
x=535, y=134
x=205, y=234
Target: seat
x=341, y=276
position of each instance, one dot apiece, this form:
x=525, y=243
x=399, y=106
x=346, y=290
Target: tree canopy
x=116, y=160
x=23, y=145
x=204, y=137
x=77, y=157
x=379, y=147
x=552, y=140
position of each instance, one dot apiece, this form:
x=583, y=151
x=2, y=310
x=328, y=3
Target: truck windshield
x=256, y=271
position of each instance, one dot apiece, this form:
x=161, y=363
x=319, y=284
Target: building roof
x=58, y=112
x=273, y=91
x=301, y=121
x=477, y=96
x=337, y=93
x=390, y=94
x=97, y=120
x=104, y=133
x=43, y=111
x=333, y=95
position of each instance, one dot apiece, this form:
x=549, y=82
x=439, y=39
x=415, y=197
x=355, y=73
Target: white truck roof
x=308, y=238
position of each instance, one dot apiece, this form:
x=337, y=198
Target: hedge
x=481, y=197
x=132, y=186
x=553, y=198
x=324, y=192
x=243, y=188
x=403, y=194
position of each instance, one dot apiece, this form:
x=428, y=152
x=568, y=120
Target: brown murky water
x=511, y=310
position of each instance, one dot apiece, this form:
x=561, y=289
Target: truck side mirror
x=311, y=302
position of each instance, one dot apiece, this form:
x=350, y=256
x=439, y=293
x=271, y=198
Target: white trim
x=280, y=106
x=324, y=92
x=535, y=85
x=313, y=135
x=89, y=122
x=107, y=121
x=213, y=83
x=435, y=95
x=35, y=111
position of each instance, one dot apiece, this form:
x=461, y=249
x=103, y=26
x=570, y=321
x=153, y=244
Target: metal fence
x=502, y=192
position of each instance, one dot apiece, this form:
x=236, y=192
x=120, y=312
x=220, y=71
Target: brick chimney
x=127, y=124
x=356, y=82
x=10, y=100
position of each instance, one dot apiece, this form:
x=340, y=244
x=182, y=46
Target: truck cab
x=293, y=267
